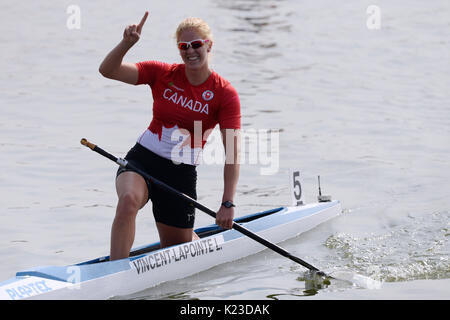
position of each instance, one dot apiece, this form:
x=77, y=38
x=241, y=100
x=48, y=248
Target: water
x=366, y=109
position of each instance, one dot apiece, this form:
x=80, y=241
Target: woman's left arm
x=231, y=141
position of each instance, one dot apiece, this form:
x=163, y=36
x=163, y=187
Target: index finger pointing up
x=141, y=24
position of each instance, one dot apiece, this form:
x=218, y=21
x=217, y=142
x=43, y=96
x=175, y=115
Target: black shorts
x=167, y=207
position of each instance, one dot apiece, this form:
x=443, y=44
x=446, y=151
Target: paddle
x=201, y=207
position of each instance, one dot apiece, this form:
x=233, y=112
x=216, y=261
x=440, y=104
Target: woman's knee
x=128, y=205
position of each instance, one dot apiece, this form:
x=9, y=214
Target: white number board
x=295, y=188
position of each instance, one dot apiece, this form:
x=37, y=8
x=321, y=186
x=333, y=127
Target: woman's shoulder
x=221, y=82
x=152, y=70
x=160, y=65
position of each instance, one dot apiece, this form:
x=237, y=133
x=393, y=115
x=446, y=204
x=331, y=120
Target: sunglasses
x=195, y=44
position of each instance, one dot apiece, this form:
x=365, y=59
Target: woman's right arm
x=112, y=66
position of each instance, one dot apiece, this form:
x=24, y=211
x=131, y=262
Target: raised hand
x=132, y=33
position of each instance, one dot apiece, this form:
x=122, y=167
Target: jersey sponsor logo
x=208, y=95
x=184, y=102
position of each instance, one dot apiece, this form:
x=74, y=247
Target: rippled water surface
x=368, y=110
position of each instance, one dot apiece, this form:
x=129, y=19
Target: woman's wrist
x=126, y=45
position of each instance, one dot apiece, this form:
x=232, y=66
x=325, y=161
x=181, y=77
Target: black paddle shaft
x=201, y=207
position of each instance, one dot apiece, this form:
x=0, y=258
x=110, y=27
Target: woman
x=186, y=97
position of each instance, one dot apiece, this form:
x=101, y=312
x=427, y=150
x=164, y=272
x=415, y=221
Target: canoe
x=148, y=265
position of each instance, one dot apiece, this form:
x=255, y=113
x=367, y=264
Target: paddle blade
x=314, y=281
x=357, y=280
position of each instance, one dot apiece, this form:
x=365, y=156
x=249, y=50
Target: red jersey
x=181, y=110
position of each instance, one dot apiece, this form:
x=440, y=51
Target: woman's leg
x=170, y=236
x=133, y=195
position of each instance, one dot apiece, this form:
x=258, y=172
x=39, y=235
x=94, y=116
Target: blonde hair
x=196, y=24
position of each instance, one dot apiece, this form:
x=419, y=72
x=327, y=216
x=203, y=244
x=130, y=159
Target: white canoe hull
x=102, y=280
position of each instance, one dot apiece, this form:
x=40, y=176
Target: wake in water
x=417, y=249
